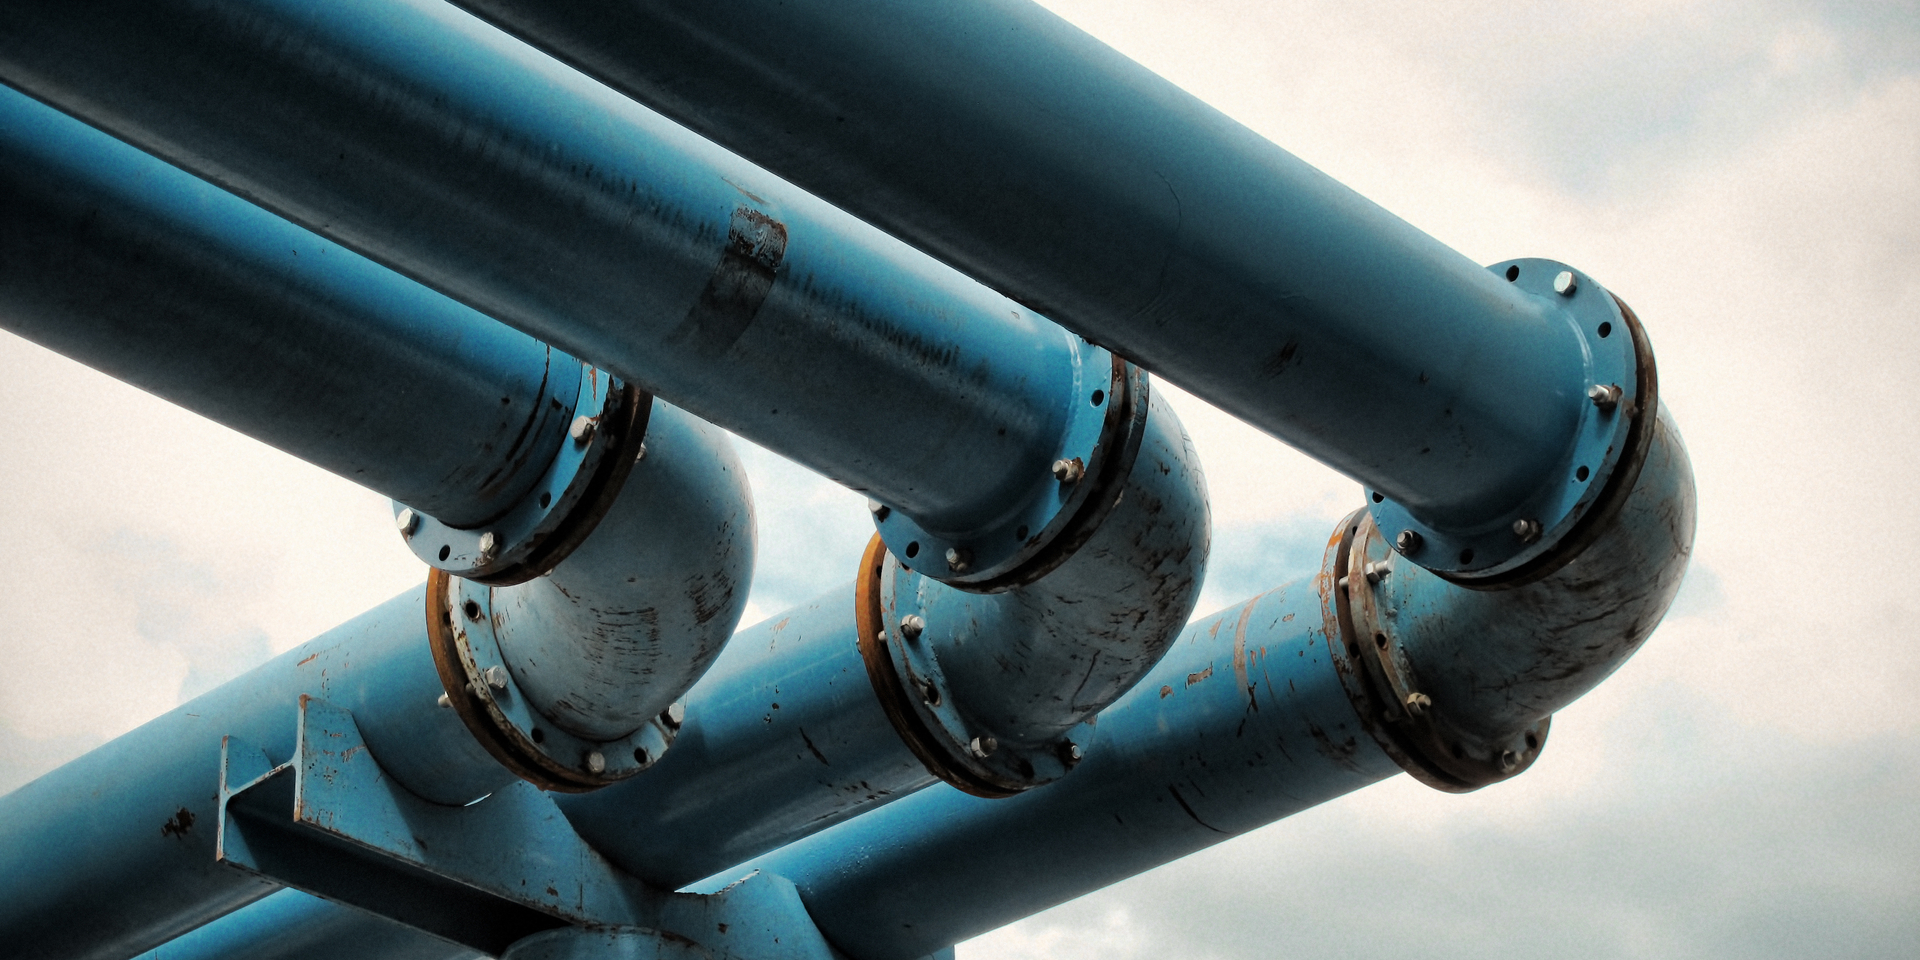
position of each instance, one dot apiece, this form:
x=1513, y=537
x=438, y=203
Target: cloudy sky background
x=1746, y=175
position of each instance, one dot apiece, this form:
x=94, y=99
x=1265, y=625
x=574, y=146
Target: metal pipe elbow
x=995, y=692
x=570, y=679
x=1459, y=684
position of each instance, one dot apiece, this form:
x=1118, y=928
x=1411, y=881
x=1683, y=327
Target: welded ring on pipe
x=1618, y=395
x=1040, y=532
x=608, y=434
x=1385, y=687
x=482, y=691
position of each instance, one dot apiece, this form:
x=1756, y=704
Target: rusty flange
x=1385, y=687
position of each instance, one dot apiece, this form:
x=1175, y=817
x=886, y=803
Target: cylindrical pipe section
x=147, y=273
x=433, y=143
x=1243, y=723
x=1020, y=150
x=637, y=613
x=789, y=734
x=87, y=871
x=290, y=925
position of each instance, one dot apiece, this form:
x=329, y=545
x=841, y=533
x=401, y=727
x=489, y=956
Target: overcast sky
x=1745, y=175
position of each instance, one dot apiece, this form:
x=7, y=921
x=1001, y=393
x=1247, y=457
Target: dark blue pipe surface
x=1010, y=144
x=147, y=273
x=415, y=133
x=290, y=925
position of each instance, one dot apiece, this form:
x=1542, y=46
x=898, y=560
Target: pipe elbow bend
x=572, y=677
x=994, y=691
x=1459, y=684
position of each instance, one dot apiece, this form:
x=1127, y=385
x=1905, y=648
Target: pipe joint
x=573, y=680
x=996, y=693
x=1103, y=400
x=1458, y=684
x=605, y=422
x=1604, y=409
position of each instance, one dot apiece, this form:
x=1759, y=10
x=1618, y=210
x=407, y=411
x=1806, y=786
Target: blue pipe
x=142, y=271
x=93, y=872
x=290, y=925
x=1257, y=715
x=1025, y=153
x=416, y=134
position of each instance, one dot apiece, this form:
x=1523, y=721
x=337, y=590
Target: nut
x=582, y=429
x=1069, y=471
x=1408, y=542
x=959, y=559
x=1417, y=704
x=911, y=626
x=1606, y=396
x=983, y=747
x=595, y=762
x=1527, y=530
x=408, y=522
x=496, y=677
x=1565, y=283
x=878, y=509
x=489, y=545
x=675, y=714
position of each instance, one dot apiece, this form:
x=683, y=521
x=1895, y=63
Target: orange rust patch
x=1193, y=678
x=309, y=659
x=1166, y=692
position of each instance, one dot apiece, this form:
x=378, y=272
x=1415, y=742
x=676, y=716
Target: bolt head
x=595, y=762
x=1606, y=396
x=408, y=522
x=675, y=714
x=489, y=545
x=1069, y=471
x=911, y=626
x=445, y=702
x=1408, y=542
x=1508, y=761
x=1417, y=704
x=878, y=509
x=496, y=677
x=983, y=747
x=1527, y=530
x=1070, y=753
x=959, y=559
x=583, y=429
x=1565, y=283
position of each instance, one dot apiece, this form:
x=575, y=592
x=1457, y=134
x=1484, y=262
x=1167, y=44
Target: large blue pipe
x=1008, y=143
x=418, y=135
x=140, y=270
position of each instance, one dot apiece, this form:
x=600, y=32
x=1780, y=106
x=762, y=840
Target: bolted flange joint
x=1609, y=410
x=1384, y=685
x=481, y=689
x=1105, y=402
x=605, y=436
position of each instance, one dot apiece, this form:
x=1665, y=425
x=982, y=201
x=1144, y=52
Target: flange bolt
x=1565, y=283
x=408, y=522
x=911, y=626
x=1606, y=396
x=959, y=559
x=675, y=714
x=596, y=763
x=1070, y=753
x=878, y=509
x=1069, y=471
x=930, y=693
x=1527, y=530
x=1508, y=760
x=496, y=677
x=1408, y=542
x=489, y=545
x=983, y=747
x=582, y=429
x=1417, y=704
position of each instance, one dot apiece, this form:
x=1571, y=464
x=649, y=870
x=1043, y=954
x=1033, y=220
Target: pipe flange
x=481, y=689
x=1107, y=401
x=1384, y=686
x=1617, y=398
x=607, y=434
x=906, y=679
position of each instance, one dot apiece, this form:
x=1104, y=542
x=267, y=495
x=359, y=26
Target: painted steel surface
x=435, y=144
x=1243, y=723
x=140, y=270
x=290, y=925
x=1010, y=144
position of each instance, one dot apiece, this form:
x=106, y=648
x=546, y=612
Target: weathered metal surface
x=156, y=277
x=1025, y=153
x=1242, y=723
x=416, y=134
x=290, y=925
x=564, y=505
x=996, y=693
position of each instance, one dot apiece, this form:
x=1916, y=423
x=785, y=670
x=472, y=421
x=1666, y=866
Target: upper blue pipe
x=418, y=135
x=1017, y=148
x=145, y=272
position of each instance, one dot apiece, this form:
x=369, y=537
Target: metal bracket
x=1107, y=403
x=1384, y=686
x=534, y=535
x=485, y=876
x=1617, y=398
x=482, y=690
